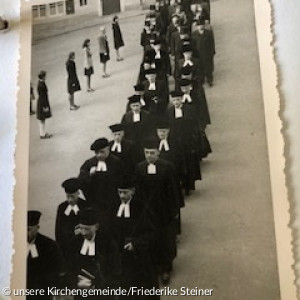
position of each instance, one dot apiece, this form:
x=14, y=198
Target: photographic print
x=148, y=159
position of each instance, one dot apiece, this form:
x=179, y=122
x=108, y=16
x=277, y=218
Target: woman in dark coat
x=118, y=38
x=73, y=82
x=43, y=106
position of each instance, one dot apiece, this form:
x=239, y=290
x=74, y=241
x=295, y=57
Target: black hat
x=162, y=124
x=88, y=216
x=139, y=87
x=134, y=99
x=126, y=183
x=186, y=48
x=42, y=74
x=187, y=70
x=151, y=143
x=176, y=94
x=185, y=82
x=99, y=144
x=150, y=71
x=33, y=217
x=152, y=7
x=116, y=127
x=71, y=185
x=147, y=23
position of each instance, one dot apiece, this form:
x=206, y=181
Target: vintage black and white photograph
x=148, y=162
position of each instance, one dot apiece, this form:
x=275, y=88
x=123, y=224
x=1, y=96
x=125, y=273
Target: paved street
x=228, y=234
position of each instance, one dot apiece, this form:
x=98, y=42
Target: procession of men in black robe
x=126, y=230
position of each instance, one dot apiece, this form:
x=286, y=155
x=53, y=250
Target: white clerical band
x=101, y=167
x=33, y=251
x=178, y=113
x=143, y=103
x=152, y=86
x=163, y=145
x=151, y=169
x=69, y=208
x=116, y=146
x=188, y=62
x=186, y=98
x=124, y=209
x=88, y=248
x=136, y=117
x=157, y=55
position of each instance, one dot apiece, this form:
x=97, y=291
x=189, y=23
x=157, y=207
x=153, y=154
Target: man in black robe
x=67, y=214
x=44, y=261
x=100, y=176
x=191, y=62
x=93, y=261
x=171, y=151
x=155, y=88
x=158, y=187
x=197, y=100
x=203, y=44
x=136, y=124
x=122, y=148
x=184, y=129
x=134, y=230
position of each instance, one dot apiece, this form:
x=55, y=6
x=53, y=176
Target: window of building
x=42, y=10
x=53, y=9
x=82, y=2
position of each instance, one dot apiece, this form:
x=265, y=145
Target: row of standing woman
x=43, y=108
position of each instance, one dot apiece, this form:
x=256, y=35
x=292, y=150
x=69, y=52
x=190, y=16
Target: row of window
x=52, y=9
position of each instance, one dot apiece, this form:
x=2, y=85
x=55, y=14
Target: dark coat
x=100, y=189
x=171, y=29
x=65, y=225
x=145, y=39
x=199, y=104
x=197, y=71
x=43, y=105
x=104, y=265
x=185, y=131
x=118, y=38
x=73, y=82
x=204, y=49
x=127, y=155
x=43, y=271
x=161, y=92
x=162, y=65
x=137, y=266
x=136, y=132
x=161, y=193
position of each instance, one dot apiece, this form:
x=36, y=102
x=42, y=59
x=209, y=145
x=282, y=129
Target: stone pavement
x=228, y=233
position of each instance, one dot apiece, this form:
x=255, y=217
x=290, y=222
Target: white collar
x=163, y=144
x=70, y=207
x=101, y=166
x=88, y=247
x=116, y=146
x=124, y=209
x=32, y=250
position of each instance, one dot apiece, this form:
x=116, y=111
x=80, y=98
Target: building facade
x=56, y=9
